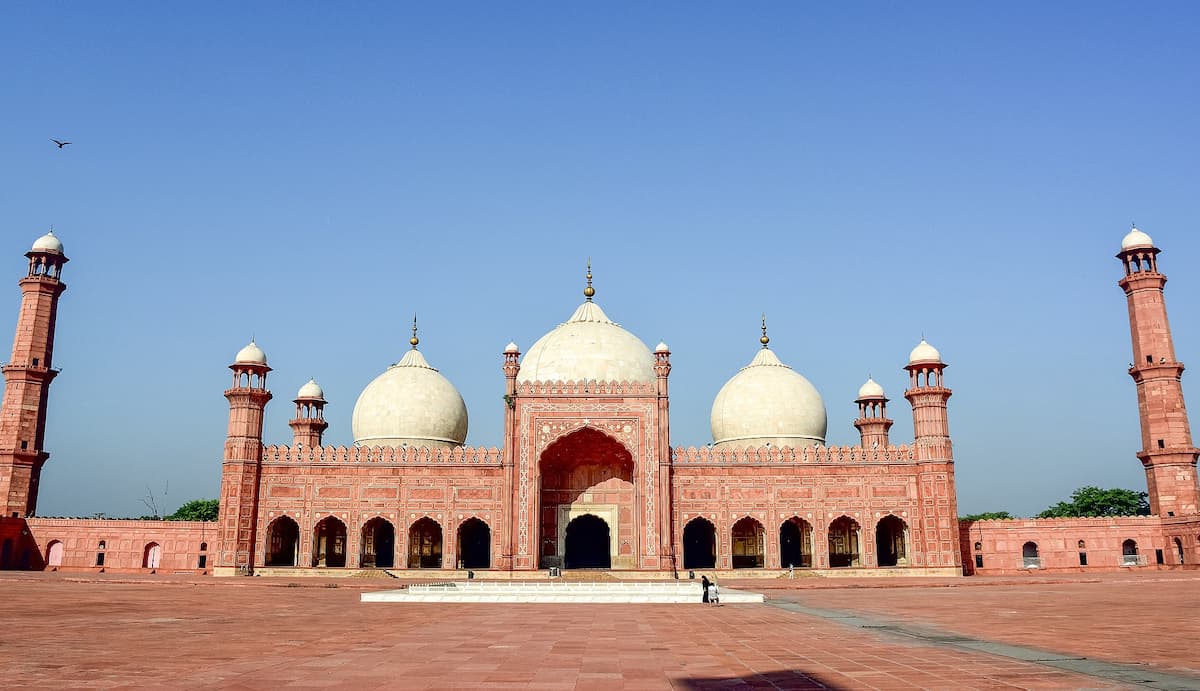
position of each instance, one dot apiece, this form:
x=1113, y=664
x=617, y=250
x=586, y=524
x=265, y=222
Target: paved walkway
x=255, y=633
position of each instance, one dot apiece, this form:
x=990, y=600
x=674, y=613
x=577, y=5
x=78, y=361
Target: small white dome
x=870, y=390
x=311, y=390
x=410, y=404
x=48, y=243
x=512, y=347
x=251, y=355
x=662, y=347
x=768, y=402
x=588, y=347
x=924, y=353
x=1136, y=238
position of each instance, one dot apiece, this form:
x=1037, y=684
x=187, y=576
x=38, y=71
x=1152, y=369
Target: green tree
x=986, y=516
x=197, y=510
x=1091, y=502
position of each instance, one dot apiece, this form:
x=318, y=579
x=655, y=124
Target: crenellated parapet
x=589, y=388
x=381, y=455
x=772, y=455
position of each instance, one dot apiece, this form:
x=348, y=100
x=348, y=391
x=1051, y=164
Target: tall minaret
x=27, y=378
x=238, y=520
x=309, y=425
x=872, y=423
x=1167, y=450
x=928, y=396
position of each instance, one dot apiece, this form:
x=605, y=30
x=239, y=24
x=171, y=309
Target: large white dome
x=588, y=346
x=410, y=404
x=768, y=402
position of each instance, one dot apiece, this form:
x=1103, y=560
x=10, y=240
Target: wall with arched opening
x=699, y=544
x=425, y=544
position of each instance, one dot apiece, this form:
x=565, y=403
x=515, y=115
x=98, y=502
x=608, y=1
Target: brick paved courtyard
x=120, y=632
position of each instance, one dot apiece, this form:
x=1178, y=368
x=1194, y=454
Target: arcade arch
x=283, y=542
x=378, y=544
x=844, y=548
x=54, y=553
x=699, y=544
x=891, y=537
x=795, y=543
x=329, y=543
x=151, y=556
x=425, y=544
x=748, y=544
x=588, y=542
x=474, y=544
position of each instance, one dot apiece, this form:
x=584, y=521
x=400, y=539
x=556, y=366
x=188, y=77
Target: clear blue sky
x=313, y=174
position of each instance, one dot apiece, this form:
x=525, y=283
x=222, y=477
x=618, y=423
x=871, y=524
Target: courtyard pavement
x=102, y=631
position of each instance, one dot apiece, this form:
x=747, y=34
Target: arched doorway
x=587, y=472
x=795, y=543
x=699, y=544
x=151, y=556
x=54, y=555
x=749, y=548
x=844, y=547
x=425, y=545
x=329, y=543
x=1129, y=552
x=1179, y=549
x=283, y=542
x=474, y=544
x=891, y=533
x=378, y=544
x=1029, y=555
x=588, y=543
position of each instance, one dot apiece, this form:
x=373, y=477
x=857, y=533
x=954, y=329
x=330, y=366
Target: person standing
x=704, y=587
x=714, y=593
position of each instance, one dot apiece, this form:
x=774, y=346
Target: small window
x=203, y=561
x=101, y=546
x=979, y=561
x=35, y=362
x=1083, y=558
x=99, y=558
x=24, y=445
x=1082, y=544
x=1150, y=359
x=203, y=546
x=978, y=546
x=1161, y=445
x=1158, y=557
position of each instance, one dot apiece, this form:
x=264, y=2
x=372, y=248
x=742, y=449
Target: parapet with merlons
x=586, y=388
x=382, y=455
x=774, y=455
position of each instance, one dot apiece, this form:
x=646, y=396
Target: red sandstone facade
x=587, y=478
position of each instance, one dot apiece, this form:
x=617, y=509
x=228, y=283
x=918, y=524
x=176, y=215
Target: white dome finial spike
x=414, y=340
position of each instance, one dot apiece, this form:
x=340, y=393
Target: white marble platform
x=660, y=592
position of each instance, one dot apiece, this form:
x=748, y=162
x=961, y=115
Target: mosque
x=587, y=477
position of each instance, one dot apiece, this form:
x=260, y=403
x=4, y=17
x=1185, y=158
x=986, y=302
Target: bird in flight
x=60, y=144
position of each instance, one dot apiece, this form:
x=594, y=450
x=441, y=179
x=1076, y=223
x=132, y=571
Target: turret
x=238, y=522
x=309, y=424
x=872, y=423
x=928, y=396
x=27, y=377
x=1167, y=454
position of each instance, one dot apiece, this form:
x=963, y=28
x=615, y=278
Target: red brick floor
x=255, y=633
x=1146, y=618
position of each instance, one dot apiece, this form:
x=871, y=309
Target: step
x=557, y=592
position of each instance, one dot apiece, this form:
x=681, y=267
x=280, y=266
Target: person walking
x=704, y=589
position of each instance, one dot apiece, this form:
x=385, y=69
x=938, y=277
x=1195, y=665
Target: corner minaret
x=27, y=377
x=872, y=423
x=928, y=396
x=243, y=462
x=309, y=425
x=1167, y=451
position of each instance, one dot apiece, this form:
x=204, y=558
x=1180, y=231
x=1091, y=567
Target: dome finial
x=589, y=291
x=414, y=340
x=764, y=339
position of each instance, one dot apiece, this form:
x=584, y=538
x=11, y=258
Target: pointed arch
x=845, y=535
x=474, y=544
x=891, y=541
x=329, y=543
x=425, y=544
x=699, y=544
x=748, y=544
x=283, y=542
x=378, y=544
x=795, y=543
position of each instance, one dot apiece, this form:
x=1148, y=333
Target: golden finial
x=764, y=339
x=589, y=291
x=414, y=340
